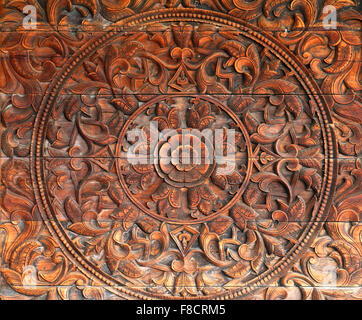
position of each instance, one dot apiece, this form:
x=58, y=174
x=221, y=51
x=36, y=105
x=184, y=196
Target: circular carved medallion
x=185, y=168
x=136, y=213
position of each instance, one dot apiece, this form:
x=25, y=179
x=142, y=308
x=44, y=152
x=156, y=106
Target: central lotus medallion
x=189, y=157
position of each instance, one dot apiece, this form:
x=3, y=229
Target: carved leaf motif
x=175, y=198
x=294, y=105
x=276, y=294
x=163, y=207
x=73, y=210
x=205, y=207
x=71, y=107
x=193, y=119
x=130, y=269
x=115, y=11
x=185, y=282
x=206, y=193
x=203, y=108
x=251, y=195
x=86, y=230
x=219, y=180
x=143, y=168
x=258, y=262
x=220, y=224
x=13, y=202
x=127, y=214
x=193, y=197
x=93, y=71
x=240, y=103
x=234, y=178
x=93, y=293
x=146, y=180
x=52, y=275
x=133, y=178
x=205, y=121
x=352, y=37
x=356, y=277
x=297, y=209
x=270, y=5
x=339, y=3
x=182, y=34
x=162, y=122
x=277, y=85
x=311, y=178
x=15, y=280
x=68, y=281
x=219, y=91
x=233, y=48
x=97, y=244
x=112, y=264
x=352, y=111
x=162, y=110
x=116, y=194
x=20, y=257
x=148, y=224
x=349, y=254
x=270, y=69
x=239, y=270
x=251, y=123
x=127, y=103
x=253, y=249
x=273, y=245
x=173, y=118
x=241, y=214
x=311, y=163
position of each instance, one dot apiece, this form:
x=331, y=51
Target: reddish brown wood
x=79, y=221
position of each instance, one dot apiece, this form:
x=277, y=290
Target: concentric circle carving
x=185, y=168
x=180, y=230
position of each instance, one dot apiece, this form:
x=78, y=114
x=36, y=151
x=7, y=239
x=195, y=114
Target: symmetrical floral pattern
x=79, y=220
x=184, y=172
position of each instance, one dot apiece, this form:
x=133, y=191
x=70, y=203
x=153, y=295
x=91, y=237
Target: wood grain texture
x=79, y=221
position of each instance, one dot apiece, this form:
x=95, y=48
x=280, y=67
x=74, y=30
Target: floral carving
x=79, y=220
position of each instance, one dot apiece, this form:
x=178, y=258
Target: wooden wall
x=80, y=220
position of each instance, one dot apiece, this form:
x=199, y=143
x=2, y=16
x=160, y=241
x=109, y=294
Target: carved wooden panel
x=80, y=220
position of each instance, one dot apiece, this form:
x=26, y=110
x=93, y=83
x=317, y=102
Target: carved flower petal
x=176, y=175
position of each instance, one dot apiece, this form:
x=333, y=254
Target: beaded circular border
x=320, y=211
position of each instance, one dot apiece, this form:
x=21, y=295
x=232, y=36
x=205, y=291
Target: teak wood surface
x=78, y=220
